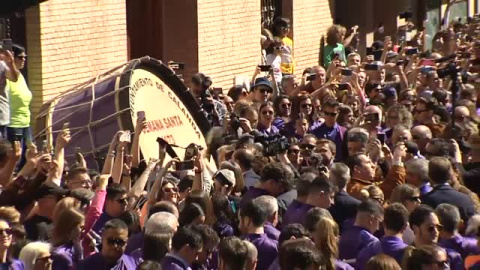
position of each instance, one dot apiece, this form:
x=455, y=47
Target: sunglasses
x=294, y=151
x=332, y=114
x=432, y=228
x=122, y=200
x=168, y=190
x=286, y=105
x=306, y=106
x=116, y=242
x=414, y=199
x=307, y=146
x=6, y=232
x=267, y=112
x=264, y=90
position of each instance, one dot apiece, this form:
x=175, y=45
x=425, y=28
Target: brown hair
x=63, y=204
x=382, y=262
x=9, y=214
x=334, y=34
x=67, y=220
x=403, y=192
x=326, y=235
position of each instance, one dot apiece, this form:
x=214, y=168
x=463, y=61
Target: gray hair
x=418, y=167
x=31, y=252
x=162, y=222
x=339, y=175
x=269, y=203
x=449, y=217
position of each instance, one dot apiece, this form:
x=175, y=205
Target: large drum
x=99, y=108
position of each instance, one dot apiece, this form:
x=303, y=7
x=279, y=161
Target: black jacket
x=345, y=207
x=446, y=194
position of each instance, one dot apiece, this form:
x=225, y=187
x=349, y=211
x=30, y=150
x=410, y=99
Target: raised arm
x=141, y=125
x=152, y=195
x=13, y=156
x=107, y=167
x=139, y=185
x=62, y=140
x=12, y=72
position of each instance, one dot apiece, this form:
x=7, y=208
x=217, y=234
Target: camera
x=450, y=70
x=234, y=123
x=272, y=145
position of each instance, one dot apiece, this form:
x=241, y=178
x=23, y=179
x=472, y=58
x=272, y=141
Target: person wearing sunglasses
x=330, y=129
x=261, y=92
x=283, y=110
x=168, y=192
x=281, y=28
x=293, y=155
x=302, y=107
x=111, y=256
x=6, y=262
x=265, y=126
x=426, y=227
x=115, y=205
x=426, y=257
x=36, y=256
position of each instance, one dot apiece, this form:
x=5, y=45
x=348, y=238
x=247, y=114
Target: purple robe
x=463, y=245
x=271, y=231
x=65, y=257
x=12, y=264
x=252, y=193
x=353, y=241
x=97, y=262
x=334, y=134
x=296, y=213
x=339, y=265
x=135, y=242
x=174, y=262
x=390, y=245
x=268, y=133
x=267, y=249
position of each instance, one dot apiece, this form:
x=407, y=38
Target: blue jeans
x=25, y=138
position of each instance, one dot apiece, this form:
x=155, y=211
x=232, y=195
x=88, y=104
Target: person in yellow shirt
x=20, y=97
x=282, y=28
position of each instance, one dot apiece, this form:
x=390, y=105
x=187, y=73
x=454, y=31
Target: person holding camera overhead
x=214, y=110
x=20, y=98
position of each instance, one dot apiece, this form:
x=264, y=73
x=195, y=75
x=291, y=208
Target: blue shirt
x=267, y=249
x=353, y=241
x=296, y=213
x=268, y=132
x=135, y=242
x=100, y=223
x=334, y=134
x=65, y=256
x=97, y=262
x=390, y=245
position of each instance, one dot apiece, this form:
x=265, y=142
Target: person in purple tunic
x=232, y=253
x=330, y=129
x=271, y=206
x=208, y=258
x=395, y=223
x=426, y=227
x=265, y=126
x=5, y=242
x=449, y=237
x=115, y=206
x=187, y=243
x=114, y=240
x=299, y=254
x=252, y=219
x=320, y=194
x=360, y=235
x=276, y=179
x=66, y=241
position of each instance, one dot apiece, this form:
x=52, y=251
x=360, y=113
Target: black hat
x=50, y=188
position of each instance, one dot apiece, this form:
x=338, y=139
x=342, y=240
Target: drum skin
x=97, y=109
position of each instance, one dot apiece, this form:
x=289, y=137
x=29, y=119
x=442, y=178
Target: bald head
x=162, y=222
x=461, y=112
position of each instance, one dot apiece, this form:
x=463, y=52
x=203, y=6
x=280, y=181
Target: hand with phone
x=64, y=137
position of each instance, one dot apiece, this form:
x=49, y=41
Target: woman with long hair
x=409, y=196
x=66, y=238
x=6, y=260
x=382, y=262
x=302, y=106
x=283, y=110
x=225, y=218
x=168, y=192
x=326, y=238
x=265, y=123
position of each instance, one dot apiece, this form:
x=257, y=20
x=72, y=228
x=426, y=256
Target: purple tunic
x=425, y=188
x=12, y=264
x=134, y=242
x=252, y=193
x=267, y=133
x=279, y=123
x=354, y=240
x=174, y=262
x=339, y=265
x=335, y=134
x=267, y=249
x=296, y=213
x=97, y=262
x=271, y=231
x=463, y=245
x=391, y=245
x=455, y=259
x=65, y=257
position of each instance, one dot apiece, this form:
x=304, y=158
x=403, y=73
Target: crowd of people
x=367, y=162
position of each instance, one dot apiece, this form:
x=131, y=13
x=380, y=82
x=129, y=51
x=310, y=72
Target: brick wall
x=71, y=41
x=228, y=39
x=311, y=18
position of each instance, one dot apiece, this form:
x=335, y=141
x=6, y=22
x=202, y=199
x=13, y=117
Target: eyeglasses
x=122, y=200
x=286, y=105
x=332, y=114
x=304, y=106
x=294, y=151
x=6, y=232
x=432, y=228
x=116, y=242
x=414, y=199
x=267, y=112
x=169, y=190
x=278, y=48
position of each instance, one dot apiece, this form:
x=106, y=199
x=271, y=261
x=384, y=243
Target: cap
x=263, y=81
x=225, y=177
x=82, y=194
x=389, y=92
x=50, y=188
